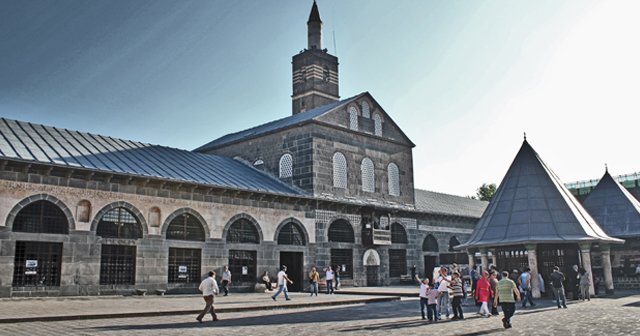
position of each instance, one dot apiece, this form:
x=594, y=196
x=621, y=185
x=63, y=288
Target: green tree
x=486, y=192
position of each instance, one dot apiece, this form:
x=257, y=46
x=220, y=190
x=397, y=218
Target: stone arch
x=341, y=230
x=83, y=211
x=371, y=258
x=399, y=234
x=120, y=204
x=453, y=241
x=40, y=197
x=182, y=211
x=248, y=217
x=295, y=222
x=430, y=244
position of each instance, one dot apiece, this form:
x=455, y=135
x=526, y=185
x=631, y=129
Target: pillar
x=532, y=256
x=585, y=254
x=484, y=259
x=494, y=258
x=471, y=255
x=606, y=268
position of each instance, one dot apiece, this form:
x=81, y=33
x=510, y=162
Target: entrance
x=37, y=264
x=295, y=269
x=430, y=263
x=373, y=276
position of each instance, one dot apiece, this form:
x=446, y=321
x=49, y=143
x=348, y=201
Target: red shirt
x=483, y=290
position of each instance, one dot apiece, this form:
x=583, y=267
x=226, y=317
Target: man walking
x=525, y=287
x=226, y=280
x=557, y=278
x=208, y=287
x=329, y=279
x=507, y=293
x=282, y=283
x=314, y=277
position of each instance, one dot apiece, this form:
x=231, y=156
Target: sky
x=463, y=79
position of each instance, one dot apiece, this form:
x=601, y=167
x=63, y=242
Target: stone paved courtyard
x=603, y=316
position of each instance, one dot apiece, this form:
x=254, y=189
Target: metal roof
x=298, y=118
x=29, y=142
x=532, y=205
x=611, y=205
x=439, y=203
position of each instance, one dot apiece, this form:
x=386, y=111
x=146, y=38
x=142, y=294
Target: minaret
x=315, y=71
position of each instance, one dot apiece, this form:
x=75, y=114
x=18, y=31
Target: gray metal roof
x=614, y=208
x=29, y=142
x=532, y=205
x=296, y=119
x=439, y=203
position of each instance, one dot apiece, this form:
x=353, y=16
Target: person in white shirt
x=226, y=280
x=208, y=287
x=329, y=279
x=282, y=283
x=443, y=292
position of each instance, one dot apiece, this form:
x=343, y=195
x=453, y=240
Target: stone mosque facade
x=331, y=184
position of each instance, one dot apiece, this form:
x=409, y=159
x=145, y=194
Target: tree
x=486, y=192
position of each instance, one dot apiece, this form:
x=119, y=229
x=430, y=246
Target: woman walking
x=484, y=294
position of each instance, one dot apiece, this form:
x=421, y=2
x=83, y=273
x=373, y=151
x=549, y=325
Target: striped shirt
x=456, y=287
x=505, y=288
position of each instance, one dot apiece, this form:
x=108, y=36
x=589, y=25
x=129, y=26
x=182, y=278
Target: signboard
x=182, y=269
x=31, y=263
x=31, y=267
x=245, y=270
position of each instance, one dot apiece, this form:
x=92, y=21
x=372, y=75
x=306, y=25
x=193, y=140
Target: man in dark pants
x=558, y=289
x=507, y=293
x=208, y=287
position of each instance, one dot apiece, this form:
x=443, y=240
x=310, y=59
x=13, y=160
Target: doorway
x=430, y=263
x=295, y=269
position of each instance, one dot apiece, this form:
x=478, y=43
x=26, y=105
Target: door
x=295, y=269
x=373, y=276
x=429, y=265
x=37, y=264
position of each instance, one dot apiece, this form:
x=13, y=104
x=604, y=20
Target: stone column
x=471, y=255
x=606, y=268
x=585, y=254
x=494, y=258
x=484, y=259
x=532, y=256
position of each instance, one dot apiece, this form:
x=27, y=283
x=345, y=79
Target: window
x=353, y=118
x=377, y=124
x=119, y=223
x=243, y=231
x=393, y=175
x=397, y=262
x=41, y=217
x=185, y=227
x=365, y=110
x=344, y=259
x=398, y=234
x=286, y=165
x=368, y=175
x=184, y=265
x=430, y=244
x=341, y=231
x=291, y=234
x=118, y=265
x=243, y=259
x=37, y=264
x=339, y=170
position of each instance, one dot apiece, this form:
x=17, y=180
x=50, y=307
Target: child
x=424, y=289
x=432, y=304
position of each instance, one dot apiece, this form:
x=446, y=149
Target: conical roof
x=614, y=208
x=531, y=205
x=314, y=16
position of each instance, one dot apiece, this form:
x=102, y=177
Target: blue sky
x=464, y=79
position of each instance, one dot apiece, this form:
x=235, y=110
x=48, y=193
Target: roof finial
x=525, y=136
x=606, y=169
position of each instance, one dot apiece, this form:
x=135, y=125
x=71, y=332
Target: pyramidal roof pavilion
x=532, y=206
x=614, y=208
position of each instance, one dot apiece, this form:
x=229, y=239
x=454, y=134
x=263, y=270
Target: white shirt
x=423, y=290
x=444, y=285
x=226, y=276
x=208, y=286
x=329, y=274
x=281, y=280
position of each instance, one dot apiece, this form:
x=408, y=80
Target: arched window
x=41, y=217
x=398, y=234
x=393, y=174
x=186, y=227
x=119, y=223
x=291, y=234
x=243, y=231
x=430, y=244
x=365, y=110
x=286, y=165
x=377, y=124
x=339, y=170
x=341, y=231
x=353, y=118
x=452, y=243
x=368, y=175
